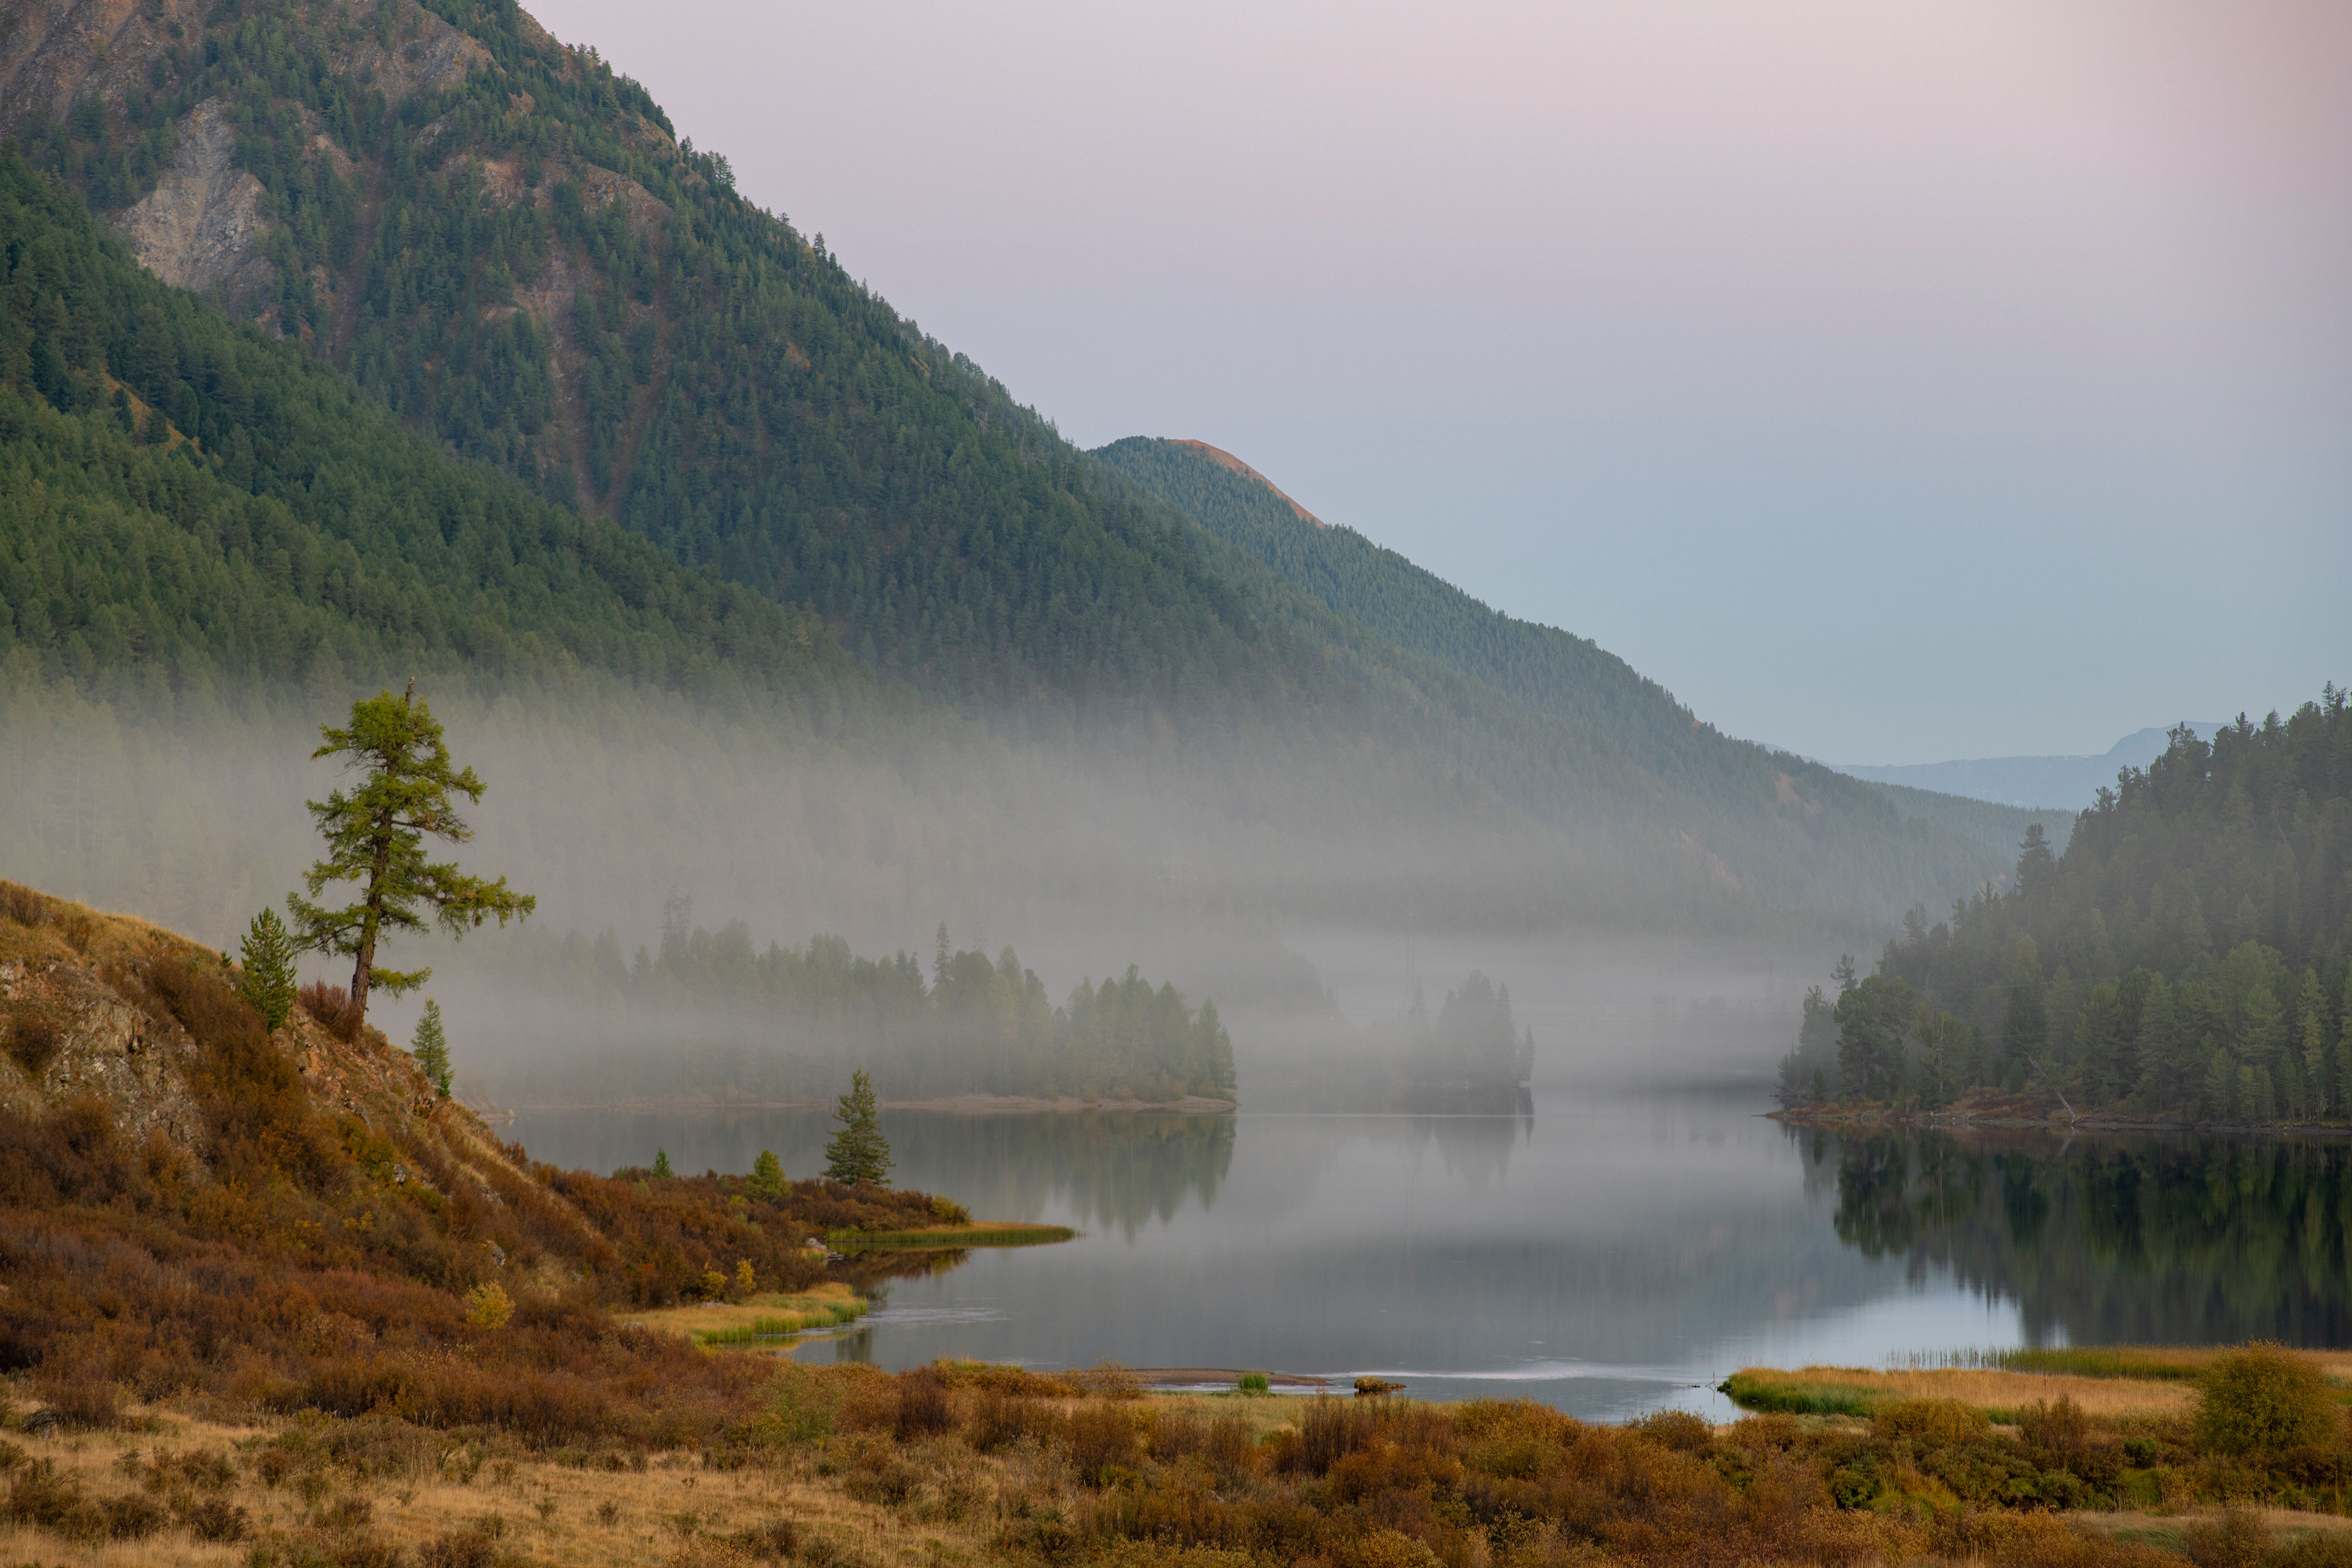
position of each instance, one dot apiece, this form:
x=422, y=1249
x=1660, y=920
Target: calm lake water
x=1609, y=1255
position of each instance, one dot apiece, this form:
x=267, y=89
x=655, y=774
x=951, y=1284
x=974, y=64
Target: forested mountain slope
x=185, y=505
x=498, y=238
x=1796, y=831
x=2187, y=956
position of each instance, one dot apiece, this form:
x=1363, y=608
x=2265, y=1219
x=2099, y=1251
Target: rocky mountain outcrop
x=202, y=227
x=53, y=52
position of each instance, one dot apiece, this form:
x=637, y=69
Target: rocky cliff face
x=187, y=198
x=55, y=52
x=202, y=227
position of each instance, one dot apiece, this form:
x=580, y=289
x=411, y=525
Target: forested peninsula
x=2184, y=961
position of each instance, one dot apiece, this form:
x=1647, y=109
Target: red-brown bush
x=330, y=1006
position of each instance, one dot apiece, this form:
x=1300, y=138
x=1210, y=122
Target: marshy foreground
x=965, y=1462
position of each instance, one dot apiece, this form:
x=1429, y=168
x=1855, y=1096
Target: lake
x=1606, y=1253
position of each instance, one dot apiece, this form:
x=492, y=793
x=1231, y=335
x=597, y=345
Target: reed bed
x=998, y=1234
x=2000, y=1394
x=828, y=1305
x=831, y=1315
x=2145, y=1363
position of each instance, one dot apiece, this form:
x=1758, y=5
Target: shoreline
x=1831, y=1118
x=952, y=1104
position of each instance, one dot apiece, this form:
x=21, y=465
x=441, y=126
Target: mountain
x=2068, y=784
x=2000, y=828
x=522, y=334
x=499, y=239
x=1797, y=832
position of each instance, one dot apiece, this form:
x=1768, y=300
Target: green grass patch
x=1787, y=1395
x=818, y=1315
x=986, y=1234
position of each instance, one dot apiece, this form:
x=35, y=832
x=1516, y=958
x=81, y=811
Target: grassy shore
x=2106, y=1382
x=2001, y=1395
x=754, y=1318
x=980, y=1232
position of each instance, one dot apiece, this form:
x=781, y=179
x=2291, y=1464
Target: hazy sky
x=1893, y=382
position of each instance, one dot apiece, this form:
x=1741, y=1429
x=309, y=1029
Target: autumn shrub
x=1679, y=1430
x=331, y=1007
x=81, y=1394
x=1110, y=1380
x=1102, y=1437
x=922, y=1404
x=2313, y=1549
x=1002, y=1417
x=1930, y=1422
x=22, y=904
x=488, y=1305
x=32, y=1038
x=1173, y=1435
x=2238, y=1539
x=2058, y=1429
x=473, y=1547
x=216, y=1521
x=2265, y=1399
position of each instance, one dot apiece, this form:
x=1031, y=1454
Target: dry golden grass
x=703, y=1317
x=2002, y=1393
x=545, y=1511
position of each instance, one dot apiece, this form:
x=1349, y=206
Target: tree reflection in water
x=2111, y=1240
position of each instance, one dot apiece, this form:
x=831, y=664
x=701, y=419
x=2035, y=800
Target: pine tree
x=375, y=836
x=767, y=1177
x=2312, y=1005
x=268, y=982
x=431, y=1048
x=857, y=1152
x=661, y=1163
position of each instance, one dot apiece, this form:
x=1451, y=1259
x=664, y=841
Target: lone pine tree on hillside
x=375, y=836
x=858, y=1152
x=268, y=982
x=431, y=1048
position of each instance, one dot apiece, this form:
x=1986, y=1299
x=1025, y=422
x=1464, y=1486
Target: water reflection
x=1606, y=1254
x=2133, y=1239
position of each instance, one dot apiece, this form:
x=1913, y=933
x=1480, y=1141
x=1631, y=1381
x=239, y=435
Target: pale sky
x=1892, y=382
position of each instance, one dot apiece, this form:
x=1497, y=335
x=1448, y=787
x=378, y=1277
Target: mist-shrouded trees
x=1474, y=1042
x=783, y=1021
x=859, y=1152
x=267, y=981
x=2186, y=958
x=431, y=1048
x=375, y=836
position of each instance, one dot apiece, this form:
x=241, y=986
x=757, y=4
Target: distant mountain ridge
x=2066, y=784
x=1763, y=819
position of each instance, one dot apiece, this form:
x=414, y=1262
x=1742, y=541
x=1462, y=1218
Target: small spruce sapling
x=268, y=982
x=431, y=1048
x=767, y=1177
x=858, y=1152
x=661, y=1163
